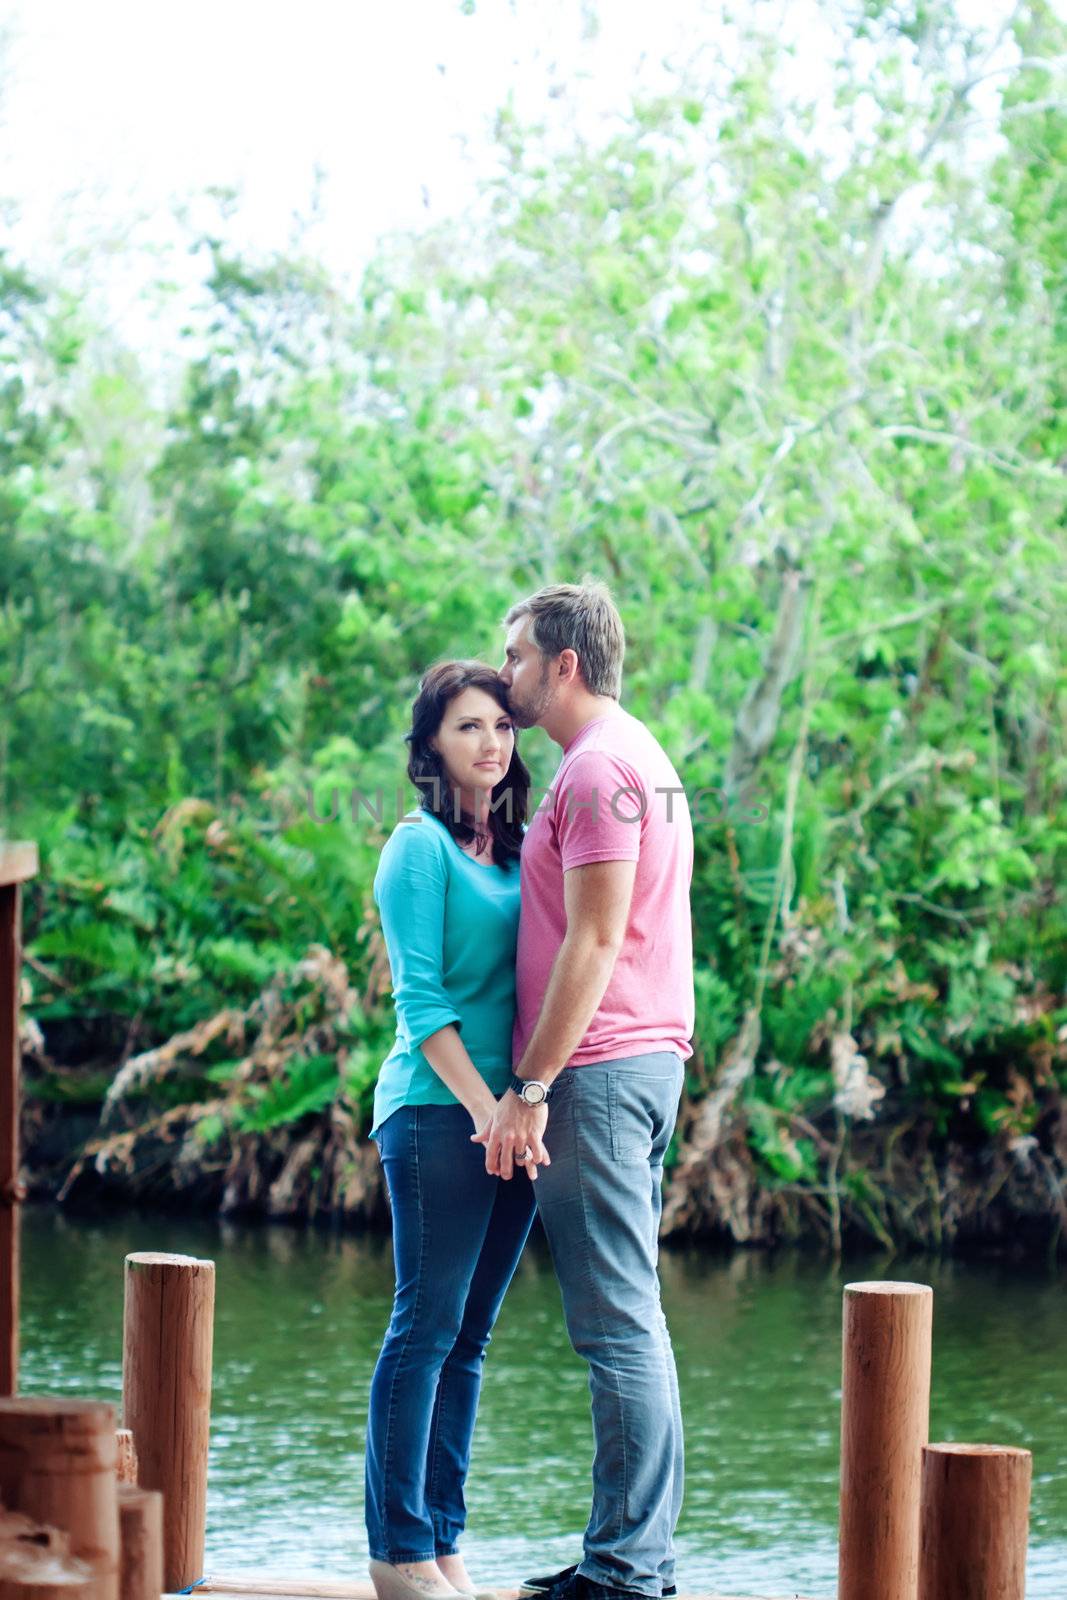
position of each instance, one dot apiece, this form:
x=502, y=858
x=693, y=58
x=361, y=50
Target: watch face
x=534, y=1094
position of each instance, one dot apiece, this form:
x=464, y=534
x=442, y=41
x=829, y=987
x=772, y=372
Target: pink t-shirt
x=590, y=814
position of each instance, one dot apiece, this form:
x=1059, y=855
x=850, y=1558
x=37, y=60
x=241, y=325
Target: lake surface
x=300, y=1316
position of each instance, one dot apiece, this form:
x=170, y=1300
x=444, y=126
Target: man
x=604, y=1019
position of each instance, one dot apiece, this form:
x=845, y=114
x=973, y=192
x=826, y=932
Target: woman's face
x=475, y=740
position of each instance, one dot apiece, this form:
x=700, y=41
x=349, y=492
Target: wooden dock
x=281, y=1588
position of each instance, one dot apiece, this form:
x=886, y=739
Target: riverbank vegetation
x=791, y=377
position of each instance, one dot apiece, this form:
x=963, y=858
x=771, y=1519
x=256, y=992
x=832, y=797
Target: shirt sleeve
x=597, y=814
x=409, y=889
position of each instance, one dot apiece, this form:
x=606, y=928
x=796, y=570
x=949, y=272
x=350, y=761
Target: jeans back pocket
x=631, y=1118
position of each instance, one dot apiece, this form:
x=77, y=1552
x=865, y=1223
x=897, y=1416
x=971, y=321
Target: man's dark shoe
x=568, y=1585
x=539, y=1586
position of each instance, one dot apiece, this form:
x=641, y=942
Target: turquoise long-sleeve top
x=451, y=928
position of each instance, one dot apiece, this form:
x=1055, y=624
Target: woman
x=447, y=888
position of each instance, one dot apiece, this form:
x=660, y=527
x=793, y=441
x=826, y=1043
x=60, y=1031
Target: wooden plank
x=281, y=1588
x=10, y=964
x=299, y=1588
x=18, y=860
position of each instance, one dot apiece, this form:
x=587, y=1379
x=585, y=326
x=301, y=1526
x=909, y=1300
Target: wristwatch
x=529, y=1090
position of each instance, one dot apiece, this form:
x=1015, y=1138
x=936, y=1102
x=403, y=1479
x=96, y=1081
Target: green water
x=299, y=1318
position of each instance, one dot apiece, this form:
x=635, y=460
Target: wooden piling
x=29, y=1571
x=127, y=1457
x=18, y=862
x=885, y=1420
x=57, y=1466
x=166, y=1385
x=975, y=1516
x=17, y=1529
x=36, y=1563
x=141, y=1538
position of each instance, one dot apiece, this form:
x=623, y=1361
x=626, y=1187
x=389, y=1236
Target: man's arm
x=596, y=898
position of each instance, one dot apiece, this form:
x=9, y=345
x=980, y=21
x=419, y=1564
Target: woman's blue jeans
x=458, y=1234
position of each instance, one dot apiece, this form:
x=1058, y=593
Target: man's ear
x=574, y=657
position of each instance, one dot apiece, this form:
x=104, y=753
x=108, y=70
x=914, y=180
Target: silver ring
x=527, y=1154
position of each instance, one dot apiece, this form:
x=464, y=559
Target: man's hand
x=514, y=1128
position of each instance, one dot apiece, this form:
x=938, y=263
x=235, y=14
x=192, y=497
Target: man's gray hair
x=581, y=617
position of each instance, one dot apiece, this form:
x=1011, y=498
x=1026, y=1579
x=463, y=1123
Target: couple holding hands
x=543, y=985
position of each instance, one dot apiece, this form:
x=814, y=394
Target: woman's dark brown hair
x=438, y=688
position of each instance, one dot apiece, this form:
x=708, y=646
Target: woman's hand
x=482, y=1118
x=482, y=1113
x=515, y=1128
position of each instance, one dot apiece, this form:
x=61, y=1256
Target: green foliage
x=791, y=1160
x=714, y=352
x=309, y=1085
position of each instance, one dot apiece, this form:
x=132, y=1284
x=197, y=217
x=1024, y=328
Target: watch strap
x=518, y=1084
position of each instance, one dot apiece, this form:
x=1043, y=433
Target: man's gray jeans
x=609, y=1126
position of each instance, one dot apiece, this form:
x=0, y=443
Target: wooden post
x=127, y=1457
x=141, y=1534
x=17, y=863
x=36, y=1563
x=975, y=1514
x=166, y=1386
x=885, y=1421
x=30, y=1573
x=57, y=1465
x=16, y=1529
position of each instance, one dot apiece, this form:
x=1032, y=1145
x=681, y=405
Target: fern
x=309, y=1085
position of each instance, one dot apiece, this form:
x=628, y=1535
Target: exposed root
x=301, y=1166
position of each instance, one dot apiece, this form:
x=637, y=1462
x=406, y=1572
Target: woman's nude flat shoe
x=389, y=1584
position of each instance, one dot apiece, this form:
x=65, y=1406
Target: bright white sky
x=111, y=110
x=115, y=106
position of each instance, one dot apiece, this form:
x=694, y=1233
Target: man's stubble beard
x=529, y=717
